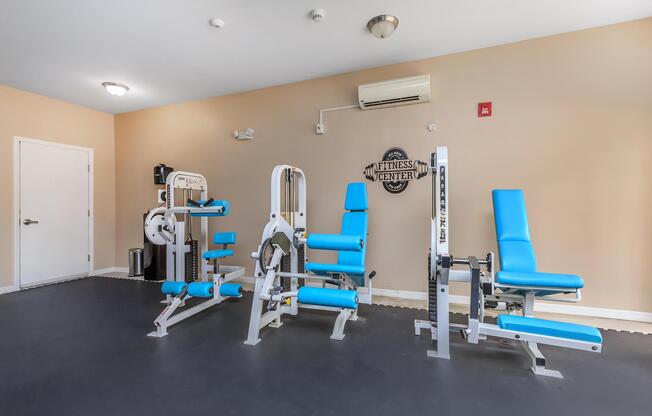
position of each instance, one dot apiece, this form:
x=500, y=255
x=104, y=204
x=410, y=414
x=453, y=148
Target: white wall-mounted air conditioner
x=403, y=91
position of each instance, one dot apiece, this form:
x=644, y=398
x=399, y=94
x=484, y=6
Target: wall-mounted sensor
x=247, y=134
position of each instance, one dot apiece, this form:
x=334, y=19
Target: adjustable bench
x=518, y=266
x=520, y=283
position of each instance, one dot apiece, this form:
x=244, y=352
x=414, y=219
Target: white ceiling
x=166, y=51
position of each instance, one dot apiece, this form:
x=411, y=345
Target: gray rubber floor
x=79, y=348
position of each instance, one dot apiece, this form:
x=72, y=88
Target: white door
x=54, y=212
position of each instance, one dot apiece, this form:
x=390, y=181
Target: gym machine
x=282, y=273
x=517, y=284
x=187, y=276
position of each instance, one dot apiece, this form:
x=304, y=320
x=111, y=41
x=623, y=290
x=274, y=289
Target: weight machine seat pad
x=328, y=297
x=225, y=238
x=556, y=280
x=518, y=262
x=217, y=254
x=200, y=289
x=335, y=242
x=231, y=289
x=172, y=288
x=549, y=328
x=325, y=269
x=224, y=203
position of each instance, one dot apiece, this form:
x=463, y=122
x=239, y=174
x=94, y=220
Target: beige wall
x=572, y=127
x=33, y=116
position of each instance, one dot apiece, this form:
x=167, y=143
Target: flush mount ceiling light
x=382, y=26
x=115, y=88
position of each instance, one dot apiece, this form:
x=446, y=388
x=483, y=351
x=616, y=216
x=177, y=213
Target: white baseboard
x=7, y=289
x=97, y=272
x=561, y=308
x=400, y=294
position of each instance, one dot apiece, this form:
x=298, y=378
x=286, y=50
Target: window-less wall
x=34, y=116
x=572, y=126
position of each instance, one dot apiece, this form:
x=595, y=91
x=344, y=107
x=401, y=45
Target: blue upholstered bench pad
x=539, y=279
x=217, y=254
x=324, y=268
x=549, y=328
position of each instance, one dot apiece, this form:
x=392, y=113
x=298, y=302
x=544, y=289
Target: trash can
x=135, y=262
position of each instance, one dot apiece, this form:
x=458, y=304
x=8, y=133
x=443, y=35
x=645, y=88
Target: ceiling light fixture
x=216, y=22
x=317, y=15
x=382, y=26
x=115, y=88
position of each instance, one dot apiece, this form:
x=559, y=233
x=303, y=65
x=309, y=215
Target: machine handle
x=201, y=205
x=27, y=221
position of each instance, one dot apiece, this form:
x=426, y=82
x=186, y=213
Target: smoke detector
x=317, y=15
x=216, y=22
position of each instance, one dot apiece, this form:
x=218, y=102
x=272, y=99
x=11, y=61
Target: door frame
x=91, y=198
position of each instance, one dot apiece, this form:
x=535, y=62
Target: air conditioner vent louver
x=396, y=92
x=391, y=101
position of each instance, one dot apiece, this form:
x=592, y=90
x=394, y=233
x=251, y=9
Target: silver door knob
x=28, y=221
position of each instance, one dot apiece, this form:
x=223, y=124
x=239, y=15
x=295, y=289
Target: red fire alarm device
x=484, y=109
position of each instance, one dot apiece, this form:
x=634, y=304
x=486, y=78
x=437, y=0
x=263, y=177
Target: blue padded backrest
x=356, y=197
x=512, y=231
x=224, y=238
x=355, y=222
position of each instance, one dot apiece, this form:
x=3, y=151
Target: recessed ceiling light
x=216, y=22
x=382, y=26
x=115, y=88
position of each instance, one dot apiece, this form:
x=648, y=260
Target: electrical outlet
x=320, y=128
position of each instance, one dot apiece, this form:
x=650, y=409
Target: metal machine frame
x=285, y=236
x=482, y=287
x=170, y=225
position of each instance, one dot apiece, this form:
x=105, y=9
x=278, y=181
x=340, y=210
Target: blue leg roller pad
x=328, y=297
x=200, y=289
x=231, y=289
x=172, y=288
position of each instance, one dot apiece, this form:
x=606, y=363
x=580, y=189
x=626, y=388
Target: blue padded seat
x=221, y=238
x=569, y=281
x=217, y=254
x=518, y=264
x=550, y=328
x=354, y=223
x=324, y=268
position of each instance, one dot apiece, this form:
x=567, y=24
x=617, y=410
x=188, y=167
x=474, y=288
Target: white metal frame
x=167, y=318
x=176, y=248
x=16, y=194
x=266, y=280
x=476, y=330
